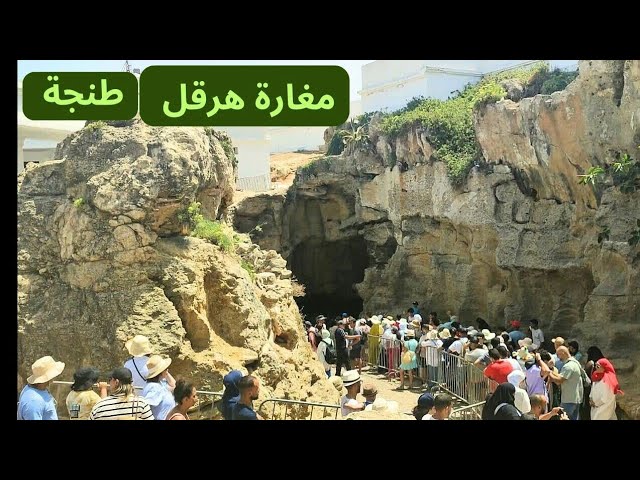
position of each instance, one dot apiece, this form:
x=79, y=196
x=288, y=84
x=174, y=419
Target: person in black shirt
x=342, y=354
x=249, y=387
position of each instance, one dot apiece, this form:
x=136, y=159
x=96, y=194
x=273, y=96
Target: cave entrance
x=329, y=271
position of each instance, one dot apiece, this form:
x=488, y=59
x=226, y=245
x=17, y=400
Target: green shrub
x=93, y=126
x=216, y=233
x=315, y=166
x=191, y=216
x=449, y=123
x=557, y=80
x=79, y=203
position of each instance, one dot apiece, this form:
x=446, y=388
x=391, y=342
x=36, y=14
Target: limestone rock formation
x=518, y=239
x=100, y=259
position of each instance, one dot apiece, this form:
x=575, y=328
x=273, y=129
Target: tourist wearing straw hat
x=158, y=392
x=349, y=403
x=140, y=350
x=36, y=402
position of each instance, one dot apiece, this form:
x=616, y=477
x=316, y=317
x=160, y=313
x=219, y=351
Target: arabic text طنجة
x=52, y=95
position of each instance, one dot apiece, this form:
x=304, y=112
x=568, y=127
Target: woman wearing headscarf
x=501, y=404
x=593, y=355
x=603, y=391
x=82, y=398
x=231, y=393
x=522, y=403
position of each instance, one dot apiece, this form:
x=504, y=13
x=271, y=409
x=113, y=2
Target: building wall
x=388, y=85
x=38, y=154
x=253, y=163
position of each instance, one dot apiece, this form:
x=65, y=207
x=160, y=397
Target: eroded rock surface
x=100, y=259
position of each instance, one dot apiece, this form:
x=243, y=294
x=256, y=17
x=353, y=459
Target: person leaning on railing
x=82, y=398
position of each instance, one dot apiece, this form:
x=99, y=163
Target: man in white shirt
x=536, y=335
x=349, y=403
x=461, y=339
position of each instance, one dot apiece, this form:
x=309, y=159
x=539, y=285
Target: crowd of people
x=538, y=379
x=532, y=378
x=142, y=389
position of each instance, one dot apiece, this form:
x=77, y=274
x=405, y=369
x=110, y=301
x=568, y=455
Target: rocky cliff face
x=100, y=259
x=517, y=240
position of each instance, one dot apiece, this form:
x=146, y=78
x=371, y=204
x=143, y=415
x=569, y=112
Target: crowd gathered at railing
x=505, y=375
x=510, y=373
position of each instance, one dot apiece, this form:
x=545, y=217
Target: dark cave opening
x=329, y=271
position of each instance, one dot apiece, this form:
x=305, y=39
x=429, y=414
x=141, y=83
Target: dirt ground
x=284, y=165
x=390, y=389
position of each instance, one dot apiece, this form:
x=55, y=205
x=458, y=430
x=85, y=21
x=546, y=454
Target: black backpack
x=330, y=355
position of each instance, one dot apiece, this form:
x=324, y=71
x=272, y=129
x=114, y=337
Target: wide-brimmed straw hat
x=444, y=333
x=416, y=324
x=44, y=369
x=525, y=342
x=369, y=390
x=432, y=334
x=139, y=346
x=156, y=365
x=557, y=341
x=382, y=405
x=375, y=320
x=488, y=336
x=350, y=377
x=409, y=333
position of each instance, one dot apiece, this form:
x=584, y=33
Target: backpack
x=586, y=381
x=330, y=355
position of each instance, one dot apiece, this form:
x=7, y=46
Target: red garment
x=498, y=371
x=608, y=376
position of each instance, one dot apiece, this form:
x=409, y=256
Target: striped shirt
x=117, y=407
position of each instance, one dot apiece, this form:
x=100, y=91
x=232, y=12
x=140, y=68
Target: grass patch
x=249, y=268
x=217, y=233
x=93, y=126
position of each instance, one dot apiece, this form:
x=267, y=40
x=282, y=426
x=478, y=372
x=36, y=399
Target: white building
x=388, y=85
x=37, y=139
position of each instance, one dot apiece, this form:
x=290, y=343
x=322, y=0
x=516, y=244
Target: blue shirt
x=515, y=336
x=243, y=412
x=444, y=325
x=36, y=405
x=157, y=395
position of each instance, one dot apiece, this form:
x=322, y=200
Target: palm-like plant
x=355, y=138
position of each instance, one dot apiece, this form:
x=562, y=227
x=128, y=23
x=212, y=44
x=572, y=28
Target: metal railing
x=206, y=408
x=384, y=354
x=468, y=412
x=441, y=371
x=298, y=409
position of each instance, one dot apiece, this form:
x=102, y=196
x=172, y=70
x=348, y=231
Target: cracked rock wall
x=517, y=240
x=100, y=259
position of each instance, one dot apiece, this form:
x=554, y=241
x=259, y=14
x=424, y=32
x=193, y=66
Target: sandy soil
x=284, y=165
